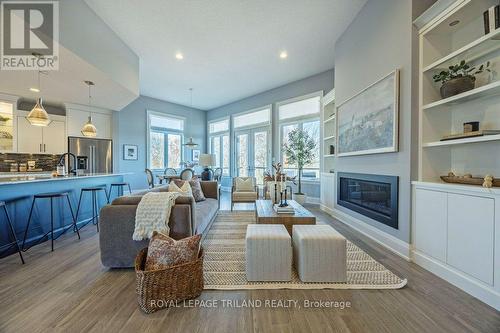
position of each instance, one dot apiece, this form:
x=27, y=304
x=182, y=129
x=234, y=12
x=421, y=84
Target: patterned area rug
x=224, y=264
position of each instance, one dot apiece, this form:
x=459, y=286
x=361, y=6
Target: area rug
x=224, y=264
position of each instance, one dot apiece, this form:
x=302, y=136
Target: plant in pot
x=459, y=78
x=299, y=150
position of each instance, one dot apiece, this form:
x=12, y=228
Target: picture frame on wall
x=368, y=122
x=196, y=155
x=130, y=152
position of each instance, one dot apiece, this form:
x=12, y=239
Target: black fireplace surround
x=374, y=196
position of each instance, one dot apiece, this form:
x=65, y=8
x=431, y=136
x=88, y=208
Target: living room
x=230, y=166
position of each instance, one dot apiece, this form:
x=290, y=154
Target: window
x=219, y=145
x=301, y=113
x=253, y=118
x=165, y=141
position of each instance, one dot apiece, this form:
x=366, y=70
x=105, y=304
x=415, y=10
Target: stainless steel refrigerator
x=99, y=153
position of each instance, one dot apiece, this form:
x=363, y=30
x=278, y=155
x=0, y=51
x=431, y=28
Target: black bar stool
x=50, y=196
x=95, y=203
x=119, y=187
x=12, y=231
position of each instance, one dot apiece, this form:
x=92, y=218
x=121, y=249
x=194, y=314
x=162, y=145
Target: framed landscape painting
x=367, y=123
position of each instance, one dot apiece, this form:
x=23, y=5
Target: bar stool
x=12, y=231
x=119, y=187
x=50, y=196
x=95, y=203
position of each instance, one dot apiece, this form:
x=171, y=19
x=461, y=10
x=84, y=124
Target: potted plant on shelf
x=299, y=150
x=459, y=78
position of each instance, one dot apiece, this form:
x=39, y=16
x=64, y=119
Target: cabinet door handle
x=40, y=148
x=44, y=148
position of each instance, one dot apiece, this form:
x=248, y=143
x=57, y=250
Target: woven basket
x=161, y=288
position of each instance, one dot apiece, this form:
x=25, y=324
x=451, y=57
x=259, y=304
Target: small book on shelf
x=470, y=134
x=491, y=19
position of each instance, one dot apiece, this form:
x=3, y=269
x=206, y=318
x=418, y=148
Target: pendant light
x=89, y=130
x=190, y=143
x=38, y=116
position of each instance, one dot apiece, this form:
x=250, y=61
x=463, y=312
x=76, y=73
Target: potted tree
x=299, y=150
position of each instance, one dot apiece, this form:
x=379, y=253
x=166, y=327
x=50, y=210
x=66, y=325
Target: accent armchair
x=244, y=190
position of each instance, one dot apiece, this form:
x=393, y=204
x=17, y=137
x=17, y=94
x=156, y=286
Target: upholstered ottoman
x=268, y=253
x=320, y=253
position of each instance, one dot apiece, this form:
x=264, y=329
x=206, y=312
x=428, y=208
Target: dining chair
x=218, y=174
x=187, y=174
x=167, y=173
x=150, y=177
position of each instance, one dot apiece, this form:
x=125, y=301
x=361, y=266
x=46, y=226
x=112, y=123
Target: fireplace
x=374, y=196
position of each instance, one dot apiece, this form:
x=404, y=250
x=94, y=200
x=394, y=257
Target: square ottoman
x=320, y=253
x=268, y=253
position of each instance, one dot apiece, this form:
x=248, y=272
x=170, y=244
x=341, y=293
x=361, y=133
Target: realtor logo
x=30, y=35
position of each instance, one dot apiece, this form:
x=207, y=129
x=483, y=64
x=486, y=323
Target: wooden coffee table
x=265, y=214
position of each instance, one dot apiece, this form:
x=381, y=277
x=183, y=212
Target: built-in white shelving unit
x=328, y=133
x=454, y=226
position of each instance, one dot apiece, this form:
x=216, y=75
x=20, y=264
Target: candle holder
x=285, y=204
x=281, y=200
x=275, y=193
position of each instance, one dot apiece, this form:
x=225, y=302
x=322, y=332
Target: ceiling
x=231, y=47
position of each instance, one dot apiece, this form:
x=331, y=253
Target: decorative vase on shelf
x=457, y=86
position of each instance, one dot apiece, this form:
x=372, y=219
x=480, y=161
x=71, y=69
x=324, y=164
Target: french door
x=253, y=153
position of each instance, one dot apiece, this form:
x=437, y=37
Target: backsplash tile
x=46, y=162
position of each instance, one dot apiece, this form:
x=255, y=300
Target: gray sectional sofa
x=117, y=222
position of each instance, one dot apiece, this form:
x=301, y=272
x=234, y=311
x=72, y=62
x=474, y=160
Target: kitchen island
x=17, y=191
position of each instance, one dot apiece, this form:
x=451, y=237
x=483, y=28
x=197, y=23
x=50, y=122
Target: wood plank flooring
x=70, y=291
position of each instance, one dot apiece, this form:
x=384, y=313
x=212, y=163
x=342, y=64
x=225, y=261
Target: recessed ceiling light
x=179, y=56
x=35, y=90
x=283, y=55
x=454, y=23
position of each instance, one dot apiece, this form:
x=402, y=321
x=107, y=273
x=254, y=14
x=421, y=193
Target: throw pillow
x=198, y=194
x=184, y=189
x=164, y=252
x=244, y=185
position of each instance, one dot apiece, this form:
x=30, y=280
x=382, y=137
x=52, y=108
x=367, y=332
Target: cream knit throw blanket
x=153, y=213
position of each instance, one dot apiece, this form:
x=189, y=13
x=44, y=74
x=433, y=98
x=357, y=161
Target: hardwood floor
x=69, y=290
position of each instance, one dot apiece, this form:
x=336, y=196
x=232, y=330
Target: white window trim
x=298, y=99
x=300, y=119
x=267, y=123
x=228, y=118
x=150, y=113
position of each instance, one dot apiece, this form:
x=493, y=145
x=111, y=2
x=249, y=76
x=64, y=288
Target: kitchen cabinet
x=8, y=123
x=77, y=118
x=35, y=139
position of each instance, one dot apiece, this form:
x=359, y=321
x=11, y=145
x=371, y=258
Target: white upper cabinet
x=29, y=137
x=77, y=118
x=54, y=137
x=41, y=140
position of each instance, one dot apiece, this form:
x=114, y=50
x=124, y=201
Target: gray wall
x=378, y=41
x=130, y=127
x=319, y=82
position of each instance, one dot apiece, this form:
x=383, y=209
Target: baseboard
x=392, y=243
x=312, y=200
x=468, y=284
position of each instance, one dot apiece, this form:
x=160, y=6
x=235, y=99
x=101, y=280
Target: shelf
x=329, y=119
x=329, y=138
x=329, y=155
x=484, y=91
x=470, y=52
x=485, y=138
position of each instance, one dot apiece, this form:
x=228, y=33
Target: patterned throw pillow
x=164, y=251
x=183, y=188
x=244, y=185
x=196, y=189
